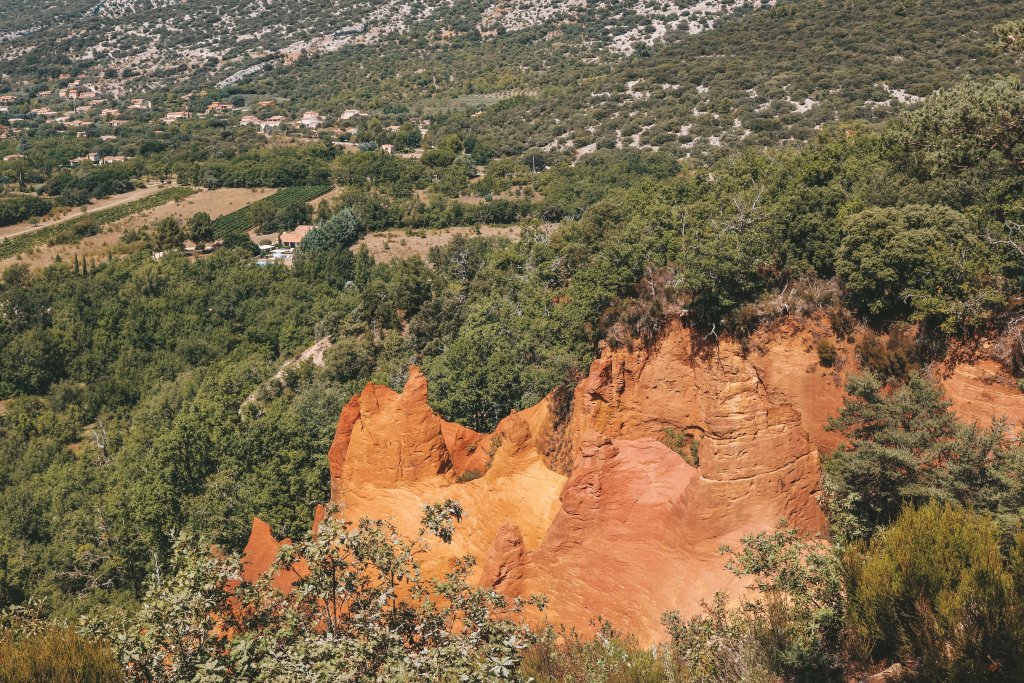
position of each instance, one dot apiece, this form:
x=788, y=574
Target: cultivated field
x=107, y=243
x=98, y=205
x=214, y=202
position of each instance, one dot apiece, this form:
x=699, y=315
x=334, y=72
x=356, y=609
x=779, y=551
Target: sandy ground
x=98, y=205
x=397, y=244
x=107, y=244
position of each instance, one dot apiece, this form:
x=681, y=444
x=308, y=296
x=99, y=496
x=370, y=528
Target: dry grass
x=214, y=202
x=57, y=655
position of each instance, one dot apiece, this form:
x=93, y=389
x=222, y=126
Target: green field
x=241, y=221
x=66, y=230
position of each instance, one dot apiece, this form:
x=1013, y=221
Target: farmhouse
x=293, y=238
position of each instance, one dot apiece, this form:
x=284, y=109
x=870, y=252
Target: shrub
x=359, y=609
x=935, y=592
x=828, y=355
x=892, y=358
x=609, y=657
x=791, y=631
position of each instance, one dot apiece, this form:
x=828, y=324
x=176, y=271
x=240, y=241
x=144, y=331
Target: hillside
x=492, y=341
x=156, y=43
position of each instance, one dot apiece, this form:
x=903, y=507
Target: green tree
x=925, y=262
x=906, y=446
x=358, y=610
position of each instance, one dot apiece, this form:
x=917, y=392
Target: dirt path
x=98, y=205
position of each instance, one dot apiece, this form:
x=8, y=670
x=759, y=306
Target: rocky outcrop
x=981, y=392
x=674, y=452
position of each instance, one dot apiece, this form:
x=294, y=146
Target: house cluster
x=75, y=106
x=173, y=116
x=310, y=119
x=75, y=91
x=220, y=108
x=265, y=125
x=96, y=158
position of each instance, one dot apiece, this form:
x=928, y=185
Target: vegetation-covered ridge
x=142, y=416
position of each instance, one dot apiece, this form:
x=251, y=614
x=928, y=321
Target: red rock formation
x=636, y=529
x=981, y=392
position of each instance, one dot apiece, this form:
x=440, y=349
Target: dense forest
x=856, y=162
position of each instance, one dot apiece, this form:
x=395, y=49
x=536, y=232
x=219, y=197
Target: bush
x=359, y=610
x=934, y=592
x=828, y=355
x=893, y=358
x=610, y=657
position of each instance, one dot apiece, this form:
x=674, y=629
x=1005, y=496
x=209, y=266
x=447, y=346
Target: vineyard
x=241, y=221
x=66, y=231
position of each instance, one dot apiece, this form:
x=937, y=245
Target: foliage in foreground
x=935, y=592
x=37, y=651
x=359, y=610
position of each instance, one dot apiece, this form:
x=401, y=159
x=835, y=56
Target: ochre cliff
x=635, y=530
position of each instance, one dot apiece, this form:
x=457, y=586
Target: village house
x=117, y=123
x=8, y=99
x=266, y=103
x=217, y=107
x=311, y=119
x=140, y=104
x=272, y=122
x=177, y=116
x=293, y=238
x=115, y=159
x=91, y=158
x=110, y=112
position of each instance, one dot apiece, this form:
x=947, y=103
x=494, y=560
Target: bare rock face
x=675, y=451
x=982, y=392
